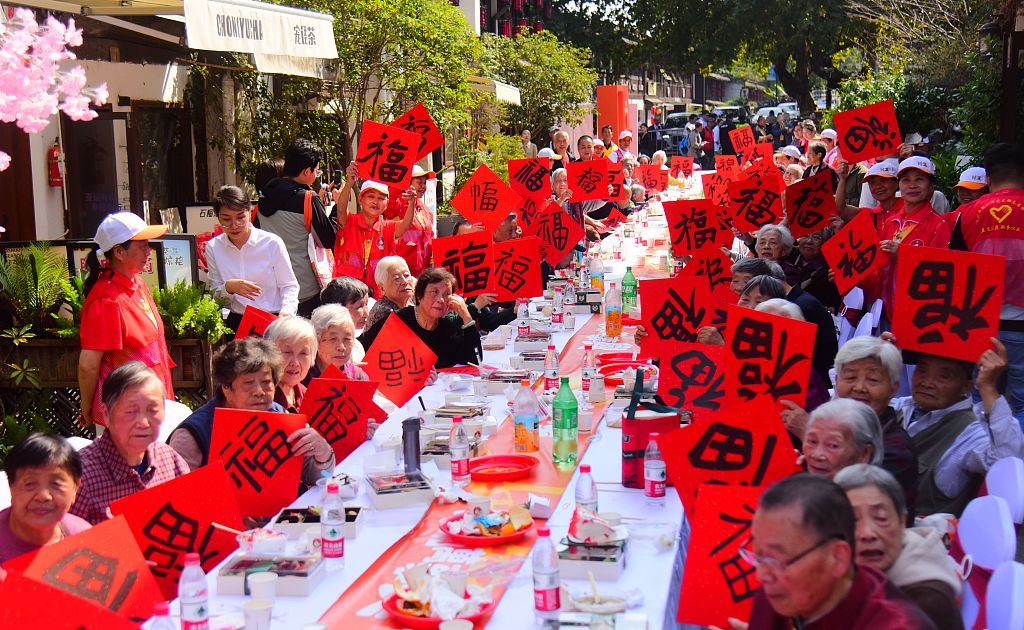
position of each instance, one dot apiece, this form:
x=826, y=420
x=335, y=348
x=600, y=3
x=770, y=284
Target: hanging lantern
x=506, y=28
x=540, y=4
x=538, y=26
x=523, y=23
x=517, y=6
x=547, y=11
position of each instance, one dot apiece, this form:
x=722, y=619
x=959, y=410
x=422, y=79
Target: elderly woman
x=841, y=433
x=760, y=289
x=396, y=287
x=43, y=472
x=792, y=174
x=127, y=457
x=355, y=296
x=247, y=372
x=297, y=342
x=914, y=559
x=336, y=338
x=775, y=243
x=454, y=341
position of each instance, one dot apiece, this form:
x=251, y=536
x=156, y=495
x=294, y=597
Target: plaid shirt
x=106, y=477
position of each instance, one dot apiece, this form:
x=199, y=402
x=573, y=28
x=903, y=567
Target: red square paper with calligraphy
x=254, y=448
x=102, y=565
x=727, y=164
x=340, y=410
x=526, y=213
x=52, y=608
x=681, y=166
x=692, y=223
x=614, y=218
x=764, y=151
x=485, y=198
x=810, y=205
x=470, y=258
x=254, y=322
x=177, y=517
x=868, y=132
x=712, y=266
x=854, y=252
x=530, y=178
x=754, y=204
x=948, y=301
x=588, y=180
x=399, y=361
x=717, y=582
x=617, y=181
x=558, y=231
x=517, y=269
x=771, y=356
x=716, y=187
x=692, y=376
x=766, y=171
x=742, y=139
x=653, y=177
x=418, y=121
x=673, y=309
x=386, y=154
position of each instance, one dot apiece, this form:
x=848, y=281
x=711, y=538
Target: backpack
x=684, y=144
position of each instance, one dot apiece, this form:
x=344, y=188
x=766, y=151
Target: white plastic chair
x=1004, y=606
x=1006, y=479
x=987, y=535
x=174, y=414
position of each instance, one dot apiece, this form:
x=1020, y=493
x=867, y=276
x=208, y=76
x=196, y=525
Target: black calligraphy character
x=417, y=368
x=392, y=361
x=272, y=450
x=89, y=575
x=336, y=412
x=692, y=227
x=419, y=127
x=374, y=152
x=527, y=213
x=170, y=533
x=588, y=180
x=531, y=175
x=753, y=339
x=553, y=231
x=738, y=574
x=756, y=205
x=670, y=320
x=713, y=269
x=754, y=342
x=805, y=207
x=932, y=282
x=476, y=274
x=869, y=130
x=854, y=259
x=696, y=371
x=722, y=447
x=484, y=196
x=510, y=269
x=614, y=180
x=392, y=171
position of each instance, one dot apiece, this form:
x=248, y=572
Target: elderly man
x=803, y=545
x=914, y=559
x=529, y=148
x=585, y=148
x=561, y=148
x=127, y=458
x=625, y=142
x=608, y=141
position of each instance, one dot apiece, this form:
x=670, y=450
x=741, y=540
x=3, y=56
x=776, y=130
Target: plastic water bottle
x=629, y=289
x=558, y=309
x=194, y=595
x=586, y=489
x=546, y=581
x=551, y=369
x=597, y=274
x=613, y=311
x=526, y=414
x=522, y=317
x=332, y=533
x=585, y=272
x=565, y=413
x=162, y=617
x=589, y=366
x=458, y=446
x=654, y=473
x=569, y=301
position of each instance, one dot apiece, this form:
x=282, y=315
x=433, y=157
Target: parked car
x=739, y=113
x=790, y=108
x=673, y=131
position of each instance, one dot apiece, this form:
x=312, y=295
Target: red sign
x=727, y=164
x=692, y=376
x=254, y=322
x=854, y=252
x=868, y=132
x=176, y=518
x=526, y=213
x=588, y=180
x=617, y=181
x=102, y=565
x=681, y=166
x=717, y=582
x=470, y=258
x=948, y=301
x=754, y=204
x=771, y=356
x=399, y=361
x=766, y=171
x=530, y=178
x=386, y=154
x=418, y=121
x=653, y=177
x=559, y=232
x=716, y=187
x=674, y=309
x=485, y=198
x=694, y=222
x=764, y=151
x=254, y=448
x=711, y=264
x=810, y=205
x=340, y=410
x=517, y=269
x=742, y=139
x=614, y=218
x=28, y=603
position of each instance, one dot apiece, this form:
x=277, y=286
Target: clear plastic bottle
x=522, y=317
x=654, y=473
x=565, y=413
x=589, y=366
x=546, y=581
x=162, y=617
x=332, y=533
x=613, y=311
x=194, y=595
x=557, y=309
x=585, y=272
x=526, y=414
x=458, y=446
x=597, y=273
x=586, y=489
x=629, y=290
x=551, y=369
x=569, y=299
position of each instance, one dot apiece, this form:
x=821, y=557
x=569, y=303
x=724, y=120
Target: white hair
x=291, y=329
x=385, y=266
x=779, y=306
x=865, y=347
x=661, y=154
x=330, y=315
x=862, y=421
x=784, y=234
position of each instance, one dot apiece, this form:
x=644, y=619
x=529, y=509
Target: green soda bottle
x=629, y=287
x=565, y=424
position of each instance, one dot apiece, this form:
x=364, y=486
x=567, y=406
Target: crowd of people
x=834, y=547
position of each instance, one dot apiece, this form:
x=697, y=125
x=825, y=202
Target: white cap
x=417, y=171
x=885, y=168
x=120, y=227
x=625, y=133
x=791, y=151
x=973, y=178
x=548, y=152
x=918, y=162
x=830, y=134
x=913, y=138
x=372, y=185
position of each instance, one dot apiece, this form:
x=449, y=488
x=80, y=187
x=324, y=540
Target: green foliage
x=603, y=26
x=975, y=105
x=189, y=313
x=74, y=297
x=30, y=405
x=495, y=151
x=553, y=78
x=30, y=285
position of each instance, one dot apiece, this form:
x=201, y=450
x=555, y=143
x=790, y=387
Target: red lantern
x=506, y=28
x=524, y=23
x=547, y=11
x=540, y=4
x=538, y=26
x=517, y=5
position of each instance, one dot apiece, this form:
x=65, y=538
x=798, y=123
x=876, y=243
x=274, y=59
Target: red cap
x=585, y=468
x=543, y=530
x=551, y=346
x=457, y=419
x=191, y=558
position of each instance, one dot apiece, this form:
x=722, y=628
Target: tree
x=603, y=26
x=554, y=79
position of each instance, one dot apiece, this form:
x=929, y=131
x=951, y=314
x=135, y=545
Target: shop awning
x=503, y=92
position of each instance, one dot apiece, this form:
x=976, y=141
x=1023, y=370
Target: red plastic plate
x=501, y=467
x=390, y=606
x=612, y=371
x=613, y=357
x=479, y=541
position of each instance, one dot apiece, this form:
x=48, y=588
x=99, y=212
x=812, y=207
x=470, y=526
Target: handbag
x=321, y=258
x=639, y=421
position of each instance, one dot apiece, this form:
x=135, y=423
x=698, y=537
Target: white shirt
x=262, y=260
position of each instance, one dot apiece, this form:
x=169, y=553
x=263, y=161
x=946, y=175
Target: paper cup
x=263, y=585
x=257, y=614
x=597, y=393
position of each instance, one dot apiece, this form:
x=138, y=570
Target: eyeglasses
x=242, y=220
x=778, y=566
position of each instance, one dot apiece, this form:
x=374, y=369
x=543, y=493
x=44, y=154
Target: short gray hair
x=663, y=155
x=862, y=421
x=637, y=188
x=871, y=348
x=331, y=315
x=630, y=160
x=126, y=376
x=752, y=265
x=384, y=267
x=780, y=306
x=796, y=169
x=293, y=328
x=555, y=174
x=766, y=285
x=864, y=475
x=784, y=233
